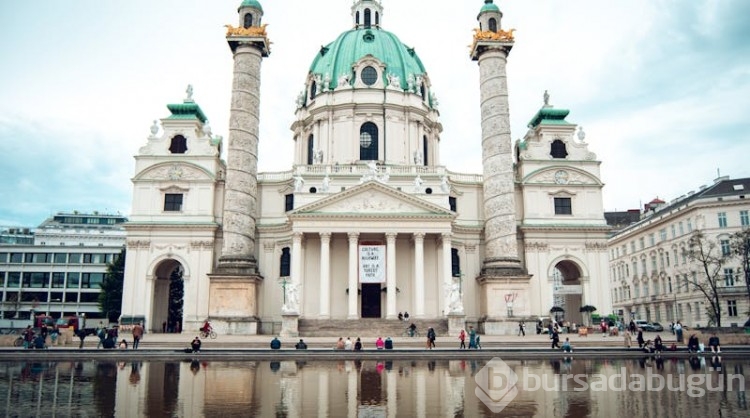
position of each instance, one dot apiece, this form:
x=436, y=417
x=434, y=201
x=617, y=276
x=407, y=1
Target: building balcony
x=732, y=291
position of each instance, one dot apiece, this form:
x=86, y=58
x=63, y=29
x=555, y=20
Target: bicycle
x=206, y=334
x=18, y=342
x=409, y=333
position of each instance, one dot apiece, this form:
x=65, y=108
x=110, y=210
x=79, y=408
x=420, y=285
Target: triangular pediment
x=373, y=198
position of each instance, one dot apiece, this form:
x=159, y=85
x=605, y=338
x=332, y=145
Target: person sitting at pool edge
x=301, y=345
x=275, y=344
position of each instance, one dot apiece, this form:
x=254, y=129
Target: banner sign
x=372, y=263
x=575, y=289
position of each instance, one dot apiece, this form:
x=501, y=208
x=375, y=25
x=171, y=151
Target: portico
x=408, y=265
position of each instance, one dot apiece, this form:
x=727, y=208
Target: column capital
x=297, y=236
x=353, y=236
x=391, y=236
x=325, y=235
x=418, y=236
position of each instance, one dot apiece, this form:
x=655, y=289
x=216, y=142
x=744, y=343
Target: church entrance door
x=370, y=300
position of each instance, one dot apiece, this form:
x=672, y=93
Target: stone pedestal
x=456, y=322
x=233, y=303
x=289, y=325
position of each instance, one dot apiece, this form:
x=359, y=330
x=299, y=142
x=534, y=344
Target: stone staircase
x=368, y=327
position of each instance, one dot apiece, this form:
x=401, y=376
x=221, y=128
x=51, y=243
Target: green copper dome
x=251, y=3
x=338, y=57
x=489, y=6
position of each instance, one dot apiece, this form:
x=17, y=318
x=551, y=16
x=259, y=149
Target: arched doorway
x=169, y=292
x=567, y=290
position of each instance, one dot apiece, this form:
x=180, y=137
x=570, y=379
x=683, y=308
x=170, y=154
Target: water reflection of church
x=368, y=221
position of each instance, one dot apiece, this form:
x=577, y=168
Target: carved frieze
x=174, y=172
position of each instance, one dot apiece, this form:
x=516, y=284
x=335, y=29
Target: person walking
x=472, y=338
x=678, y=331
x=431, y=338
x=462, y=338
x=640, y=339
x=137, y=335
x=628, y=338
x=555, y=339
x=521, y=328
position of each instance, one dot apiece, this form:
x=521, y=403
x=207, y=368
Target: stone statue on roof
x=189, y=92
x=546, y=98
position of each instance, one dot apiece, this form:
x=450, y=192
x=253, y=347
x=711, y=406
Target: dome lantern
x=251, y=13
x=489, y=17
x=367, y=14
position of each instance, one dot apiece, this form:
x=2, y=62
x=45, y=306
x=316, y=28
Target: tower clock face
x=561, y=177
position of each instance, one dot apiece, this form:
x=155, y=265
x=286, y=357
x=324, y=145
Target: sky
x=661, y=87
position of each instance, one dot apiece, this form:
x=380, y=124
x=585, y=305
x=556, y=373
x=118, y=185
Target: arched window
x=356, y=19
x=377, y=19
x=178, y=145
x=455, y=263
x=558, y=149
x=285, y=263
x=493, y=24
x=423, y=92
x=310, y=150
x=313, y=90
x=248, y=20
x=368, y=141
x=367, y=18
x=424, y=149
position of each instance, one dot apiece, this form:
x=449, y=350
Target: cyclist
x=206, y=327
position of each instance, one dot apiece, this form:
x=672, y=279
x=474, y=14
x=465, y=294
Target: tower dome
x=338, y=58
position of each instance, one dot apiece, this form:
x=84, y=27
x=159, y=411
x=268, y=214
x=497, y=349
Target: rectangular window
x=642, y=241
x=36, y=280
x=690, y=225
x=651, y=240
x=58, y=280
x=722, y=219
x=653, y=264
x=173, y=202
x=452, y=203
x=674, y=232
x=643, y=266
x=74, y=258
x=632, y=246
x=288, y=202
x=697, y=311
x=91, y=280
x=744, y=221
x=662, y=235
x=732, y=307
x=728, y=277
x=61, y=258
x=635, y=268
x=14, y=279
x=563, y=206
x=3, y=257
x=74, y=280
x=637, y=291
x=666, y=257
x=726, y=249
x=669, y=285
x=42, y=258
x=682, y=229
x=645, y=290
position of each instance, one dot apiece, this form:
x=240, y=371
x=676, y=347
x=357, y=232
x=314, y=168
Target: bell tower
x=233, y=290
x=503, y=278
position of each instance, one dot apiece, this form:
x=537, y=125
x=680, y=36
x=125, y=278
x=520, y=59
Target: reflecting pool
x=369, y=388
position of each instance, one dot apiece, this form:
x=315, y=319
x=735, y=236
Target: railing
x=362, y=169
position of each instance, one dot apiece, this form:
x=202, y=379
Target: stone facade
x=367, y=222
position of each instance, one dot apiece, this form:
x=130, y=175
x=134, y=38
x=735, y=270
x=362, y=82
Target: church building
x=368, y=222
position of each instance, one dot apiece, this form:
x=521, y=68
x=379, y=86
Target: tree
x=707, y=262
x=110, y=298
x=588, y=309
x=740, y=242
x=176, y=295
